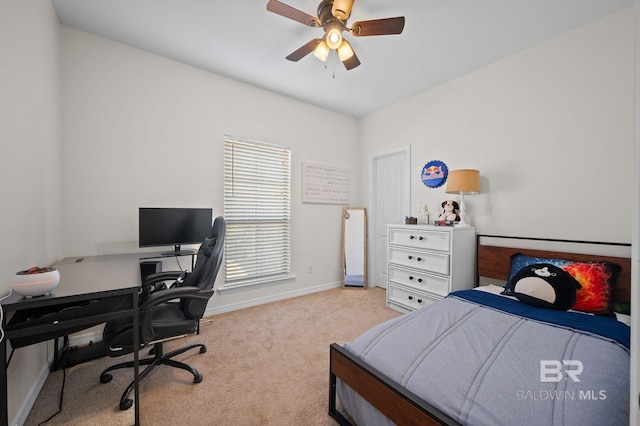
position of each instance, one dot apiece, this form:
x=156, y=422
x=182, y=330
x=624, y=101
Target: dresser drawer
x=419, y=280
x=420, y=238
x=408, y=298
x=427, y=261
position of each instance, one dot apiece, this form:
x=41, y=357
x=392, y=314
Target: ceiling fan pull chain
x=333, y=63
x=334, y=56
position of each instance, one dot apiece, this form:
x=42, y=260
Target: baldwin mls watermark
x=555, y=371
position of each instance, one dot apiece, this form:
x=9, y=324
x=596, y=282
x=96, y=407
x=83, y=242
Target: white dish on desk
x=35, y=281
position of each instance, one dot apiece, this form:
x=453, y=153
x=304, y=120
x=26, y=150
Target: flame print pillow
x=596, y=278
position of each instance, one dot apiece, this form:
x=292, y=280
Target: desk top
x=86, y=277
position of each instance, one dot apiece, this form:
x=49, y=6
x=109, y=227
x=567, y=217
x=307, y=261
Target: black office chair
x=167, y=313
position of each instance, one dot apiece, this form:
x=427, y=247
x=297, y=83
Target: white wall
x=30, y=161
x=142, y=130
x=550, y=129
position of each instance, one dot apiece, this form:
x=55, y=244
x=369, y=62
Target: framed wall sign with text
x=325, y=184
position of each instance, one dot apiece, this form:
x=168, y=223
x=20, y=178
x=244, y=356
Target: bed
x=478, y=357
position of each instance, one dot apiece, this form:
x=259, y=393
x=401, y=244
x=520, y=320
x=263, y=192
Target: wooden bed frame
x=404, y=407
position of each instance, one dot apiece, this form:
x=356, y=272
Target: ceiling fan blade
x=378, y=27
x=304, y=50
x=290, y=12
x=351, y=62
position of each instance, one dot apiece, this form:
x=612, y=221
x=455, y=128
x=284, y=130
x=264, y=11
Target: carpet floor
x=265, y=365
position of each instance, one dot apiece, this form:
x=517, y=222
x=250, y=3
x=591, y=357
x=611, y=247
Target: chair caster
x=105, y=378
x=203, y=349
x=197, y=379
x=126, y=404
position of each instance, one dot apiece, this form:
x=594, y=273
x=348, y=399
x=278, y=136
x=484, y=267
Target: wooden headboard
x=494, y=262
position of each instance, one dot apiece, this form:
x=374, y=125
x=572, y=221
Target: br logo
x=553, y=371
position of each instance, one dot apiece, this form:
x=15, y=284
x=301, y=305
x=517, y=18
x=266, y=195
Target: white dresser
x=425, y=263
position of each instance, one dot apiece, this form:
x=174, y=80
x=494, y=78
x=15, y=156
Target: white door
x=390, y=201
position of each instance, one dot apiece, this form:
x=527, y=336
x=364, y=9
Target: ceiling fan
x=332, y=17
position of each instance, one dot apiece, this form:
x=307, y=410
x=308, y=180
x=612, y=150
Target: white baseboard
x=268, y=299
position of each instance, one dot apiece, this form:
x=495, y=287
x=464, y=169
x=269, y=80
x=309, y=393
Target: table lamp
x=463, y=181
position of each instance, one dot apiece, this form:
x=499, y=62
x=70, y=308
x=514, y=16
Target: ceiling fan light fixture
x=345, y=51
x=332, y=17
x=334, y=38
x=341, y=9
x=322, y=51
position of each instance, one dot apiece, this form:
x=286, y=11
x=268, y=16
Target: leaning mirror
x=354, y=247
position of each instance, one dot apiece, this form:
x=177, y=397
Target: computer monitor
x=165, y=226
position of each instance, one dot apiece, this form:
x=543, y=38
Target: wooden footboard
x=398, y=404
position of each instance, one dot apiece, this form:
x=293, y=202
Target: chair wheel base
x=105, y=378
x=126, y=404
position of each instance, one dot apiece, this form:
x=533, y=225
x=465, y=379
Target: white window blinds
x=257, y=201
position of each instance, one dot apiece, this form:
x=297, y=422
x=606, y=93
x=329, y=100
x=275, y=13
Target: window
x=257, y=202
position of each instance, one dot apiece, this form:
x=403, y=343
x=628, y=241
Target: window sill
x=253, y=284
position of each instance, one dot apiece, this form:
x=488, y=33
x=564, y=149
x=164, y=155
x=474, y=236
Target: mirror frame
x=345, y=217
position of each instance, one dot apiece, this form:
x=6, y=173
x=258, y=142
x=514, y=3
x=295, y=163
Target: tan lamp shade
x=463, y=181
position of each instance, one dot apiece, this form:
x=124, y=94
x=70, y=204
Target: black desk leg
x=136, y=363
x=4, y=410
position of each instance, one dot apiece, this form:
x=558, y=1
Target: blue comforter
x=488, y=360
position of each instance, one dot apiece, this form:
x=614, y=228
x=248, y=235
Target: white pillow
x=623, y=318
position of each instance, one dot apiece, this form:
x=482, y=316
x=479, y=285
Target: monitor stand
x=177, y=252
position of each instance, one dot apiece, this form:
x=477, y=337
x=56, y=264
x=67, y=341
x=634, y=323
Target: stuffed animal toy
x=545, y=286
x=450, y=211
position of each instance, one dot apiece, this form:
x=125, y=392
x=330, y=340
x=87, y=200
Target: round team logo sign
x=434, y=174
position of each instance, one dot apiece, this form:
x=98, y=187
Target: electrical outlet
x=310, y=268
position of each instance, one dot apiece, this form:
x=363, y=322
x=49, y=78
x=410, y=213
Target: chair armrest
x=162, y=276
x=175, y=293
x=157, y=281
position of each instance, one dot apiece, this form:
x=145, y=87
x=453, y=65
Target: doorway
x=390, y=201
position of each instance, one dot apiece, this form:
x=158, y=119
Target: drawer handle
x=411, y=237
x=421, y=238
x=410, y=278
x=410, y=297
x=419, y=300
x=410, y=257
x=419, y=259
x=419, y=280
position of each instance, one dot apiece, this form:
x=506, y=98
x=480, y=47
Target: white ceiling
x=442, y=39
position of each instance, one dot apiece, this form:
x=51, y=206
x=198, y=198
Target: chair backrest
x=206, y=268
